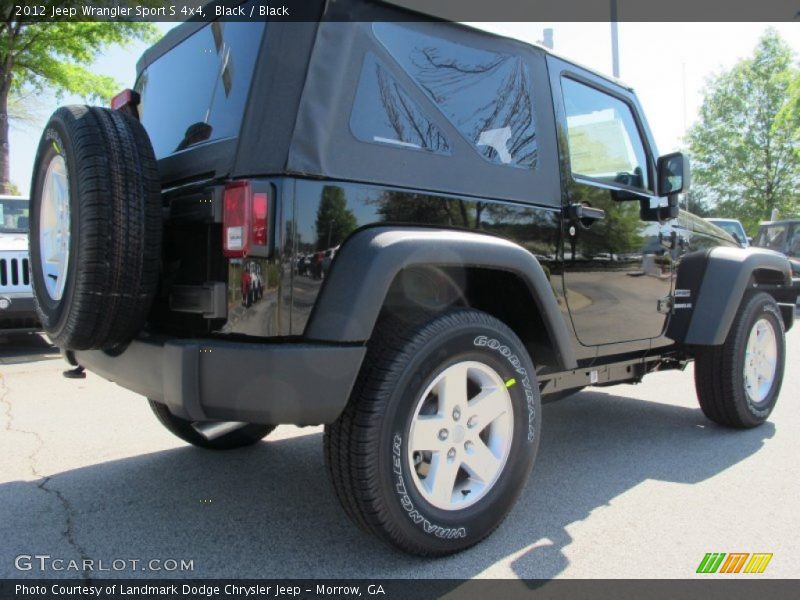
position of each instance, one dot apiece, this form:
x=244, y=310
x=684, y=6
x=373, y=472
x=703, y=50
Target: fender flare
x=712, y=283
x=367, y=263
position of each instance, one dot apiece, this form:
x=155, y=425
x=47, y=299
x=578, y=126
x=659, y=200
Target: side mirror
x=674, y=174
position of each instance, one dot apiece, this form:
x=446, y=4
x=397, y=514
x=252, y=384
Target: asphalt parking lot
x=631, y=481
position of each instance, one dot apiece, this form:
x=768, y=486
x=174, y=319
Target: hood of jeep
x=13, y=241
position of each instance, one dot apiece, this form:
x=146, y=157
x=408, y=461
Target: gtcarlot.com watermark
x=45, y=563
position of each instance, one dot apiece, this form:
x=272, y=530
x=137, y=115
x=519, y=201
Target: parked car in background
x=17, y=312
x=735, y=228
x=782, y=236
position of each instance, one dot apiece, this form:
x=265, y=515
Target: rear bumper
x=213, y=380
x=17, y=311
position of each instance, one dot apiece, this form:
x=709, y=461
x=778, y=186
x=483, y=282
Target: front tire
x=738, y=382
x=440, y=433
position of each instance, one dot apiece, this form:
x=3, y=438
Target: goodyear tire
x=247, y=435
x=738, y=382
x=96, y=223
x=440, y=433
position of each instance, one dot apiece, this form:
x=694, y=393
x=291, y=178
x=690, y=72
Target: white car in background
x=733, y=227
x=17, y=312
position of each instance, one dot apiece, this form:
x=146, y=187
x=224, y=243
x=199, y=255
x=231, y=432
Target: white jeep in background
x=17, y=312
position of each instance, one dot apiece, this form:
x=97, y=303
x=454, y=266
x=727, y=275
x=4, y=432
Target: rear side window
x=485, y=95
x=384, y=113
x=197, y=91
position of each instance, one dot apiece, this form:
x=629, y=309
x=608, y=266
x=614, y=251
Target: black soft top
x=298, y=115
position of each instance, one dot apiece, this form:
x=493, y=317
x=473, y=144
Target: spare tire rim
x=760, y=361
x=54, y=228
x=460, y=435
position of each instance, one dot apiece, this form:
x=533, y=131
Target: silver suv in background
x=17, y=312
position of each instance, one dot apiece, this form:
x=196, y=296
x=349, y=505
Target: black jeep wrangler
x=409, y=231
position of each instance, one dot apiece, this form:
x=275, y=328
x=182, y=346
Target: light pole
x=614, y=40
x=330, y=230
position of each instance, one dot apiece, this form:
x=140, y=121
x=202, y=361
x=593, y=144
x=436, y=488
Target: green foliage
x=697, y=205
x=24, y=108
x=39, y=56
x=57, y=55
x=744, y=148
x=334, y=220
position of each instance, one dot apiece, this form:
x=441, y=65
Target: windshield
x=732, y=227
x=13, y=215
x=782, y=237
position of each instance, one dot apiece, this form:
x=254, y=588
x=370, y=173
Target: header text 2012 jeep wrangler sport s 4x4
x=410, y=232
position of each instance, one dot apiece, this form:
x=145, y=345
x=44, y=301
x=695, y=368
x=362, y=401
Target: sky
x=668, y=64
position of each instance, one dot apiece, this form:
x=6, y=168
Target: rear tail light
x=245, y=220
x=126, y=101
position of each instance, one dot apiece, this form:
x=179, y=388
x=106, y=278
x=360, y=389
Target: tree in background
x=55, y=56
x=334, y=220
x=697, y=205
x=745, y=159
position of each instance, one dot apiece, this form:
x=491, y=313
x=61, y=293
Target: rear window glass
x=197, y=91
x=485, y=95
x=384, y=113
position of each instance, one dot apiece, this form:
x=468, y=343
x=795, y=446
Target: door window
x=604, y=143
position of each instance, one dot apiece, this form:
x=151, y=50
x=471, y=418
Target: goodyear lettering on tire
x=530, y=397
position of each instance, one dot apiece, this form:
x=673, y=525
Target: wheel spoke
x=443, y=477
x=481, y=462
x=767, y=368
x=762, y=339
x=487, y=406
x=452, y=389
x=425, y=433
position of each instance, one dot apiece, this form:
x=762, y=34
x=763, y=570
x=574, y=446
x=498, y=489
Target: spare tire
x=96, y=222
